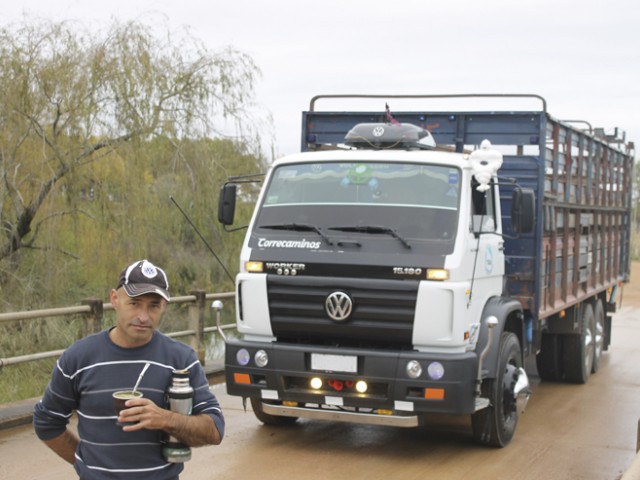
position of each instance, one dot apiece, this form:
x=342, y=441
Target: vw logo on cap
x=338, y=306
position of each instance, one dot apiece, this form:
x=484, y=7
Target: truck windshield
x=414, y=201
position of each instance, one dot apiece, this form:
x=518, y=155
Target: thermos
x=179, y=397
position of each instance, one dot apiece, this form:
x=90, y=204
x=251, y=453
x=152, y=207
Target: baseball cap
x=143, y=277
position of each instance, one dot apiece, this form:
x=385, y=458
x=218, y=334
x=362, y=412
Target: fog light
x=414, y=369
x=316, y=383
x=243, y=357
x=361, y=386
x=382, y=411
x=261, y=358
x=435, y=370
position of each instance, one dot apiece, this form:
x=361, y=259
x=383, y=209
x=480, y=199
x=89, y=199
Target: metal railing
x=93, y=309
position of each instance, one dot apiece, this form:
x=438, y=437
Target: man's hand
x=144, y=414
x=193, y=430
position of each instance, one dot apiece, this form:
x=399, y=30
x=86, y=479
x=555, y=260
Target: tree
x=71, y=100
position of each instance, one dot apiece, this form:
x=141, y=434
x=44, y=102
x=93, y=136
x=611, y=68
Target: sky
x=582, y=56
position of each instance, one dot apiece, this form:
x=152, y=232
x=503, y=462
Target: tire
x=549, y=359
x=256, y=405
x=579, y=349
x=599, y=335
x=495, y=425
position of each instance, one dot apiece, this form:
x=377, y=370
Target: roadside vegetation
x=98, y=131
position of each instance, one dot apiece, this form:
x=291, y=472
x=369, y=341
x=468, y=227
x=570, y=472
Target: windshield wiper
x=298, y=227
x=373, y=229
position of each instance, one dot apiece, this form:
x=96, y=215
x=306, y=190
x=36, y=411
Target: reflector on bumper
x=434, y=393
x=242, y=378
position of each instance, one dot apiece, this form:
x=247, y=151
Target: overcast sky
x=582, y=56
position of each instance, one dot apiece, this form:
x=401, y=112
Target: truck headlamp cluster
x=435, y=370
x=243, y=357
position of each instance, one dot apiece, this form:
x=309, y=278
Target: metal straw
x=146, y=365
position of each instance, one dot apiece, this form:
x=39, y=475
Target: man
x=90, y=370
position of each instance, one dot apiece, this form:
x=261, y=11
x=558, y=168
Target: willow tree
x=71, y=99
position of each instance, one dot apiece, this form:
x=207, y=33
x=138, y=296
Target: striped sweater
x=83, y=381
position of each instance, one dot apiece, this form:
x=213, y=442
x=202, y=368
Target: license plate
x=334, y=363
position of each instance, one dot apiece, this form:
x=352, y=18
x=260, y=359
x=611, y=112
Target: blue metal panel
x=565, y=167
x=460, y=128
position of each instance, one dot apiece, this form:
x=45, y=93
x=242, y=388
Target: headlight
x=435, y=370
x=261, y=358
x=414, y=369
x=243, y=357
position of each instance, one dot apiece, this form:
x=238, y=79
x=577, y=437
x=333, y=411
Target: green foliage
x=97, y=131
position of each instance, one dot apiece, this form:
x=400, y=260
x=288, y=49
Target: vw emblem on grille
x=338, y=306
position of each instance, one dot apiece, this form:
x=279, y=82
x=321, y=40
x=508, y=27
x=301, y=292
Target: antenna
x=203, y=239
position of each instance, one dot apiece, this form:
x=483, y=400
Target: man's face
x=136, y=317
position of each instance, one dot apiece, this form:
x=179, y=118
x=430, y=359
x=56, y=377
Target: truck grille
x=382, y=315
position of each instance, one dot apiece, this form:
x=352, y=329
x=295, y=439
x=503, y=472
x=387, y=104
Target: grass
x=27, y=380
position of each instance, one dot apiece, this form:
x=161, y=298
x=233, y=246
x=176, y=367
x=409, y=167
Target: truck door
x=487, y=245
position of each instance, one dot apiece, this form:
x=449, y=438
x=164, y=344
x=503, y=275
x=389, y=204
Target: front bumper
x=284, y=383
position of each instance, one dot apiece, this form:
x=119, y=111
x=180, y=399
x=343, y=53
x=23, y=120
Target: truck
x=420, y=262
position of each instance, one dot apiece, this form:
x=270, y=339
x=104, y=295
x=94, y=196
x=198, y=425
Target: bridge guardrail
x=93, y=311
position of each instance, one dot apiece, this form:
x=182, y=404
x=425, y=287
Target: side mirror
x=523, y=210
x=227, y=204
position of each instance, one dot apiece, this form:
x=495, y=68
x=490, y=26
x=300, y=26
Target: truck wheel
x=495, y=425
x=579, y=349
x=599, y=335
x=548, y=360
x=256, y=405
